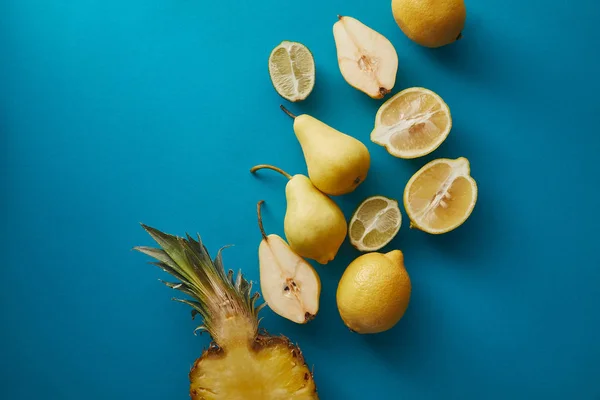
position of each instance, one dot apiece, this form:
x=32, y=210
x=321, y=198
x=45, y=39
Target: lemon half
x=412, y=123
x=292, y=70
x=441, y=195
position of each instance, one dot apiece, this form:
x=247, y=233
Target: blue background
x=120, y=112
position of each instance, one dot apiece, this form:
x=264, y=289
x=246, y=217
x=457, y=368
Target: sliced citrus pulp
x=375, y=223
x=441, y=195
x=412, y=123
x=292, y=70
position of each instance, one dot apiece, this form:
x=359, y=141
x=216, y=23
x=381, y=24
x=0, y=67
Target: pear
x=290, y=285
x=368, y=61
x=314, y=225
x=337, y=163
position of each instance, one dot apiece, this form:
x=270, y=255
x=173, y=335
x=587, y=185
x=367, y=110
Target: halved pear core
x=289, y=284
x=367, y=59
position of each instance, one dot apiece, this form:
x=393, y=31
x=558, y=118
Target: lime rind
x=383, y=227
x=292, y=70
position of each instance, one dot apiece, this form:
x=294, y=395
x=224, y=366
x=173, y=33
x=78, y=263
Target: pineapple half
x=240, y=363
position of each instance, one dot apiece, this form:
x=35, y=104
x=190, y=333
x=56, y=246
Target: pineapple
x=240, y=363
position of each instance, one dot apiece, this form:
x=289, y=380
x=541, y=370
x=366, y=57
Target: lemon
x=374, y=292
x=430, y=23
x=292, y=70
x=375, y=223
x=412, y=123
x=441, y=195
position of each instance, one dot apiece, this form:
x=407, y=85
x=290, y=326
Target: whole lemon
x=374, y=292
x=430, y=23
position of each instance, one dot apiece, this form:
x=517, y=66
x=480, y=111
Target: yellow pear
x=290, y=285
x=374, y=292
x=368, y=61
x=337, y=163
x=314, y=225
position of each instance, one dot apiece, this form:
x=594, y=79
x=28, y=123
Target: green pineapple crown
x=229, y=311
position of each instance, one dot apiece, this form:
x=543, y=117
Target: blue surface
x=119, y=112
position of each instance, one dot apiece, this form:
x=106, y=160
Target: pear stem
x=288, y=112
x=267, y=166
x=260, y=223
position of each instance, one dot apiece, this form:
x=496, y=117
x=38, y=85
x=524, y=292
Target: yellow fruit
x=368, y=61
x=314, y=225
x=412, y=123
x=430, y=23
x=441, y=195
x=290, y=285
x=337, y=163
x=242, y=362
x=374, y=292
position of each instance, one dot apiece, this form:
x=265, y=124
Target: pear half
x=290, y=285
x=368, y=61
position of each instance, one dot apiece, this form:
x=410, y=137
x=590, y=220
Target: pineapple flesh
x=240, y=363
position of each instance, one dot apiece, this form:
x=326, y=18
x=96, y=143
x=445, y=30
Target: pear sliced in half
x=290, y=285
x=368, y=61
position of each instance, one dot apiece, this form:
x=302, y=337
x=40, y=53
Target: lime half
x=375, y=223
x=292, y=70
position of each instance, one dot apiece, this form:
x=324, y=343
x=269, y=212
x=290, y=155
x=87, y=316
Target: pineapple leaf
x=263, y=305
x=158, y=254
x=194, y=304
x=200, y=329
x=168, y=243
x=195, y=244
x=216, y=296
x=218, y=262
x=249, y=290
x=166, y=262
x=238, y=281
x=170, y=270
x=172, y=285
x=253, y=299
x=182, y=287
x=172, y=247
x=195, y=258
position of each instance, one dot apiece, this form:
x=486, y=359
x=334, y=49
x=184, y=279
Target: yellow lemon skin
x=374, y=292
x=430, y=23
